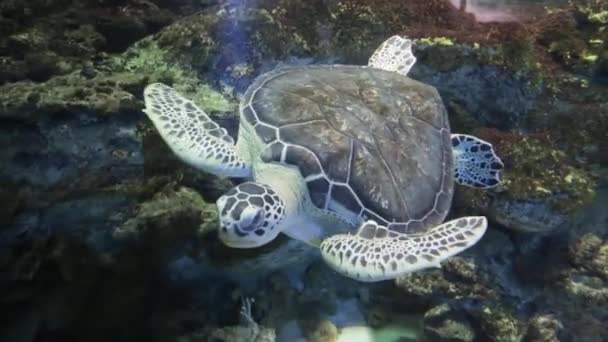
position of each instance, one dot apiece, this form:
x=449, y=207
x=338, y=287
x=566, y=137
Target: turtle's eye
x=251, y=217
x=258, y=219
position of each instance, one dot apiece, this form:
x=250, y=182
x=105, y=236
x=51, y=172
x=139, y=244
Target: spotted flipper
x=375, y=253
x=191, y=134
x=395, y=54
x=475, y=163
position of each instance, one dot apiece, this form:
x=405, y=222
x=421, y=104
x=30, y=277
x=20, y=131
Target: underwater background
x=106, y=235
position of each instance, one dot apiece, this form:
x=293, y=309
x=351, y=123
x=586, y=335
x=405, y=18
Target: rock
x=576, y=292
x=23, y=325
x=443, y=323
x=72, y=93
x=586, y=287
x=544, y=328
x=55, y=158
x=574, y=48
x=589, y=252
x=378, y=315
x=498, y=323
x=319, y=330
x=281, y=305
x=11, y=195
x=88, y=218
x=320, y=279
x=169, y=216
x=65, y=35
x=474, y=98
x=242, y=334
x=532, y=215
x=81, y=160
x=42, y=66
x=12, y=70
x=542, y=191
x=600, y=261
x=458, y=278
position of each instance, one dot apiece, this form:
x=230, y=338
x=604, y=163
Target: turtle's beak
x=238, y=242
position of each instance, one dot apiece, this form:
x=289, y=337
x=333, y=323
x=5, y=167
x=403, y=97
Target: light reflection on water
x=503, y=10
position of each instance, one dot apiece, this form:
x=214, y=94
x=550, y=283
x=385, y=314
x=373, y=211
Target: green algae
x=536, y=170
x=147, y=58
x=595, y=10
x=499, y=324
x=171, y=214
x=516, y=55
x=104, y=94
x=445, y=41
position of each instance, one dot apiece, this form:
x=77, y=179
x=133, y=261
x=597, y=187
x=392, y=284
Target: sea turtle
x=355, y=160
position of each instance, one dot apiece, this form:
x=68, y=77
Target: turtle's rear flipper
x=475, y=163
x=376, y=253
x=395, y=54
x=191, y=134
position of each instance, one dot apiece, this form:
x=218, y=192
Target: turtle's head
x=249, y=215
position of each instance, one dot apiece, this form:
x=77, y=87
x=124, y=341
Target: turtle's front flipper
x=395, y=54
x=376, y=254
x=191, y=134
x=475, y=163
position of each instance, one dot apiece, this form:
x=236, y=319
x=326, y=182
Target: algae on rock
x=170, y=214
x=148, y=59
x=541, y=189
x=499, y=324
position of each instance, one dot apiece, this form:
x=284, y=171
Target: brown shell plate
x=367, y=140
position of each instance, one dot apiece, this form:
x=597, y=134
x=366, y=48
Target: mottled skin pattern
x=395, y=54
x=476, y=164
x=191, y=134
x=376, y=253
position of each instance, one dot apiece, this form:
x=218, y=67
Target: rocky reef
x=102, y=225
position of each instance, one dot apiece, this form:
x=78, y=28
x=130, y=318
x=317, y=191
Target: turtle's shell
x=370, y=144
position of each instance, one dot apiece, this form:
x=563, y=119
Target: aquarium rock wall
x=106, y=235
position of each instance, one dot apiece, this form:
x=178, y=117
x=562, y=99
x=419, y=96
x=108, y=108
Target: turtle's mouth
x=239, y=243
